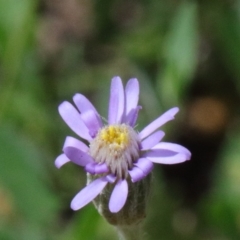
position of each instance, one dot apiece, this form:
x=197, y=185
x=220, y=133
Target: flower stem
x=132, y=232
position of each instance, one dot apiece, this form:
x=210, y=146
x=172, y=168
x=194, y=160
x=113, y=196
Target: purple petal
x=101, y=168
x=173, y=147
x=145, y=165
x=72, y=118
x=159, y=153
x=111, y=178
x=95, y=168
x=88, y=193
x=77, y=156
x=133, y=115
x=167, y=116
x=61, y=160
x=92, y=122
x=75, y=152
x=90, y=167
x=116, y=101
x=83, y=104
x=132, y=96
x=136, y=174
x=178, y=158
x=152, y=140
x=118, y=196
x=73, y=142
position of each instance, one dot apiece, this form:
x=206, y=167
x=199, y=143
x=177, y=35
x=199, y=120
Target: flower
x=116, y=152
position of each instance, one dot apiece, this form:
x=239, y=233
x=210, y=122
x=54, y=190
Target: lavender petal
x=83, y=104
x=136, y=174
x=152, y=140
x=167, y=116
x=61, y=160
x=73, y=119
x=90, y=167
x=155, y=153
x=77, y=156
x=111, y=178
x=119, y=196
x=88, y=193
x=132, y=96
x=73, y=142
x=145, y=165
x=133, y=115
x=116, y=101
x=101, y=168
x=92, y=122
x=173, y=147
x=178, y=158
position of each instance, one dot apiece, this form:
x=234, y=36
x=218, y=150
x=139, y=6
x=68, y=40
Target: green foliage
x=23, y=174
x=180, y=53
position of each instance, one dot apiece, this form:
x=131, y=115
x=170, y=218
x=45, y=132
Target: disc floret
x=117, y=146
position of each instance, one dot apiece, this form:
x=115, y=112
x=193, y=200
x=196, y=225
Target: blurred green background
x=184, y=53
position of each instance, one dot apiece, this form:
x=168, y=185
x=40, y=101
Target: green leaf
x=227, y=35
x=20, y=174
x=180, y=54
x=18, y=19
x=221, y=208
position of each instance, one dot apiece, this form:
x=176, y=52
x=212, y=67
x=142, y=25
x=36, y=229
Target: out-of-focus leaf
x=88, y=224
x=28, y=113
x=222, y=208
x=16, y=16
x=181, y=47
x=19, y=173
x=149, y=99
x=16, y=25
x=143, y=44
x=227, y=34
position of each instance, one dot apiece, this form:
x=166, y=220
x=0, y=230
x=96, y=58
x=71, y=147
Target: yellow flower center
x=117, y=146
x=115, y=135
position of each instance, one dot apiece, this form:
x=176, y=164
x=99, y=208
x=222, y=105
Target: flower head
x=116, y=152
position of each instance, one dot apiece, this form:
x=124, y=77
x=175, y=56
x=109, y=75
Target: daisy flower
x=115, y=153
